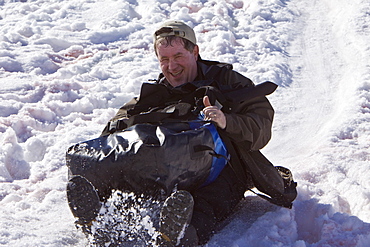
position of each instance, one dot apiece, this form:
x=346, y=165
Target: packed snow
x=67, y=66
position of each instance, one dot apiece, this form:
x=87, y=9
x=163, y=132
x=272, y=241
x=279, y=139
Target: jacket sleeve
x=251, y=120
x=252, y=123
x=121, y=114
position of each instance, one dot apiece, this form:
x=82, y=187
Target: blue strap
x=220, y=153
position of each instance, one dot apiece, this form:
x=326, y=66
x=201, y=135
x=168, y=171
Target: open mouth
x=176, y=74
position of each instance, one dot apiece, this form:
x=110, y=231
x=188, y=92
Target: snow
x=67, y=66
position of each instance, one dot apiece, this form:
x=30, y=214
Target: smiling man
x=177, y=52
x=178, y=64
x=223, y=98
x=248, y=126
x=245, y=123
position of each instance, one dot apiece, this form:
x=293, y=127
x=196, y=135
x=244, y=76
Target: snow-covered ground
x=66, y=66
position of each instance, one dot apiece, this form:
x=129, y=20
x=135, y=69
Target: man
x=178, y=56
x=244, y=123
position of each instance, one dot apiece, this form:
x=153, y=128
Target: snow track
x=327, y=71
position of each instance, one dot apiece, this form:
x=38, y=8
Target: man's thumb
x=206, y=101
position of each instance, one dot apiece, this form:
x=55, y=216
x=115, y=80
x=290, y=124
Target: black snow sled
x=147, y=158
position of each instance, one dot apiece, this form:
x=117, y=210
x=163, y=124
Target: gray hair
x=168, y=40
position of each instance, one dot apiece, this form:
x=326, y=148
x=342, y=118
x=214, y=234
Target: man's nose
x=172, y=64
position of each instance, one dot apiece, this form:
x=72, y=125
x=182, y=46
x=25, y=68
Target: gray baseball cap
x=175, y=28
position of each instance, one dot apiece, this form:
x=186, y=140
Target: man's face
x=178, y=65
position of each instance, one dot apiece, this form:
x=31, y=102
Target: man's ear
x=196, y=52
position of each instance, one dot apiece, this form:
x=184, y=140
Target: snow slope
x=66, y=66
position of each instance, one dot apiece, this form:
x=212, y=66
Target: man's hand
x=212, y=113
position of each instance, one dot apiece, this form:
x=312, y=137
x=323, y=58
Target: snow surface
x=67, y=66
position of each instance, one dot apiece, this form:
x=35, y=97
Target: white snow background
x=67, y=66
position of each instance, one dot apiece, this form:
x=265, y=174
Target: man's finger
x=206, y=101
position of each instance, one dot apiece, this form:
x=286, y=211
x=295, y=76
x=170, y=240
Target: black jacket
x=249, y=117
x=248, y=121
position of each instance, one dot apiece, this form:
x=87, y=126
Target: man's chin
x=176, y=83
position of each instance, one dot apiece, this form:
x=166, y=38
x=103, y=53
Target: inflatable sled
x=145, y=158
